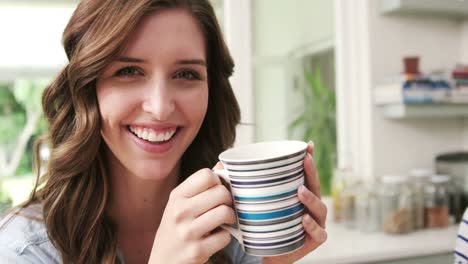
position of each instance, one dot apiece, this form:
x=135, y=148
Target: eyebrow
x=192, y=61
x=183, y=62
x=129, y=59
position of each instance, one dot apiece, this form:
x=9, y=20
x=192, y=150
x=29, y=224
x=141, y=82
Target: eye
x=128, y=71
x=187, y=75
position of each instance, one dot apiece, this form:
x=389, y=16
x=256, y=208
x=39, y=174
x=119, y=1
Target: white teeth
x=144, y=135
x=151, y=135
x=160, y=137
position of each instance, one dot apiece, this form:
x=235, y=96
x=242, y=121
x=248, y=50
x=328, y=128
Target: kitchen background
x=379, y=85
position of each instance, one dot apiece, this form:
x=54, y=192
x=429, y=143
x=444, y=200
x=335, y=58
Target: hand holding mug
x=276, y=193
x=188, y=231
x=314, y=218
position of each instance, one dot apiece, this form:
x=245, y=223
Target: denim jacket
x=25, y=241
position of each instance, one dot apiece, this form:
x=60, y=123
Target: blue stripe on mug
x=263, y=223
x=280, y=199
x=256, y=198
x=270, y=215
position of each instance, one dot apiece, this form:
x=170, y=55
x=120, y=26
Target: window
x=31, y=53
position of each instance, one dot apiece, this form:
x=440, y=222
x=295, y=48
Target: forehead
x=166, y=34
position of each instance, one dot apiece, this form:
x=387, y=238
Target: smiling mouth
x=153, y=136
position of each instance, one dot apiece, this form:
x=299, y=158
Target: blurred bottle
x=396, y=205
x=437, y=201
x=337, y=193
x=367, y=208
x=419, y=179
x=348, y=199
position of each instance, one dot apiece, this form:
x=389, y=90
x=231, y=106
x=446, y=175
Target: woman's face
x=154, y=97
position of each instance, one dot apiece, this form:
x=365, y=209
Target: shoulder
x=24, y=239
x=238, y=255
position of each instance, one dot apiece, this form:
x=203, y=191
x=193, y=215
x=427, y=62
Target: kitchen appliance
x=455, y=164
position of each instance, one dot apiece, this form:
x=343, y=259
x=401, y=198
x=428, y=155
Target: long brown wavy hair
x=74, y=190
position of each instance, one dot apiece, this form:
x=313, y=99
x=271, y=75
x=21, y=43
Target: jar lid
x=421, y=173
x=393, y=179
x=440, y=178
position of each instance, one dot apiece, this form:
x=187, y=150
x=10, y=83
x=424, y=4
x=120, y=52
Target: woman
x=140, y=112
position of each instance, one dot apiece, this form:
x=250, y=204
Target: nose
x=158, y=100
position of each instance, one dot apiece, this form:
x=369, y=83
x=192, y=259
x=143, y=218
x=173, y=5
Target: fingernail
x=311, y=143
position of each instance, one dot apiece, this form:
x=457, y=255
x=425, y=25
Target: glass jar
x=367, y=208
x=337, y=188
x=437, y=201
x=348, y=212
x=396, y=205
x=419, y=179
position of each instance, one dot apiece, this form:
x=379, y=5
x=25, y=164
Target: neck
x=137, y=205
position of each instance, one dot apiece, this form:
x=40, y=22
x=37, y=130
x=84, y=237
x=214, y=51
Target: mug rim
x=301, y=147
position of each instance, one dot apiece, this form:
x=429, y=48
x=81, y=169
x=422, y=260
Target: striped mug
x=263, y=180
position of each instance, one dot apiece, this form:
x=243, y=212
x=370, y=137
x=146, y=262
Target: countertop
x=345, y=245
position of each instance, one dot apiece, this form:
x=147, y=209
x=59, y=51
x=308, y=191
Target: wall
x=400, y=145
x=35, y=39
x=464, y=59
x=464, y=42
x=280, y=29
x=237, y=32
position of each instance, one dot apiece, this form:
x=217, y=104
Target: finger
x=312, y=179
x=216, y=241
x=198, y=182
x=317, y=235
x=218, y=166
x=209, y=199
x=314, y=205
x=212, y=219
x=310, y=148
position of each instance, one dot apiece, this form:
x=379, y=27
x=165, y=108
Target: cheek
x=197, y=105
x=113, y=106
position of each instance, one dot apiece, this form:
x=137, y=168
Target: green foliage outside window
x=21, y=123
x=318, y=123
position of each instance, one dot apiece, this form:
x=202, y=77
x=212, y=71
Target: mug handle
x=235, y=232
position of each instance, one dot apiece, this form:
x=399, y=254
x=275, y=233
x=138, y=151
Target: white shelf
x=456, y=9
x=400, y=110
